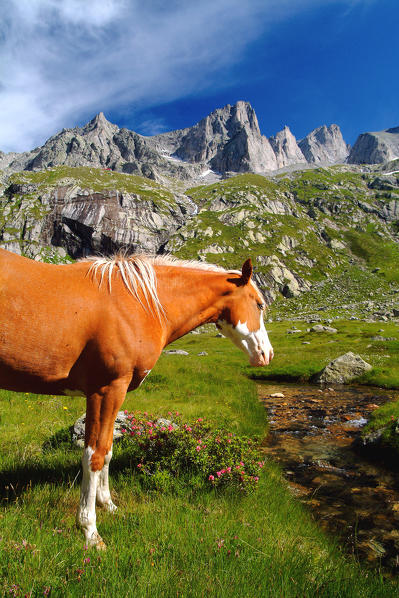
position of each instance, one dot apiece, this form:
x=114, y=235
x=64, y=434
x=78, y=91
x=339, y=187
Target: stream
x=311, y=435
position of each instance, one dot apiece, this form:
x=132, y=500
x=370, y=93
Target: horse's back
x=44, y=318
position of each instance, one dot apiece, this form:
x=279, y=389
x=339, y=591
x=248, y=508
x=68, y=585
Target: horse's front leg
x=102, y=407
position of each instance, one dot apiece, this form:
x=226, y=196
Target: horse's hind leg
x=103, y=496
x=102, y=407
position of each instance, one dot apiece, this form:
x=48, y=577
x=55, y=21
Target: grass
x=356, y=336
x=162, y=544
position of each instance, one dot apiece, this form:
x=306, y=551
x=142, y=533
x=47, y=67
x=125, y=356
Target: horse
x=97, y=327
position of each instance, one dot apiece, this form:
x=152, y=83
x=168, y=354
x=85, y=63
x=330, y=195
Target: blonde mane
x=137, y=272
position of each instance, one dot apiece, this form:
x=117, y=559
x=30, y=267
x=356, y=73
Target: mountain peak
x=101, y=123
x=324, y=145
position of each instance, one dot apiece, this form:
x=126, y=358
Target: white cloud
x=65, y=60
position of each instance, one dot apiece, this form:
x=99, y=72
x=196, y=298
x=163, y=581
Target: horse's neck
x=189, y=297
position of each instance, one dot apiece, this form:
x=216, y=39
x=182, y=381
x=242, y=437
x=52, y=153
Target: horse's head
x=241, y=318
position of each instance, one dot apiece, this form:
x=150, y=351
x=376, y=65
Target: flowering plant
x=166, y=451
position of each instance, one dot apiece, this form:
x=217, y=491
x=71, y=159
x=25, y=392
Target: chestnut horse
x=97, y=327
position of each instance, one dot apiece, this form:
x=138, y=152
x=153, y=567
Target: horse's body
x=97, y=328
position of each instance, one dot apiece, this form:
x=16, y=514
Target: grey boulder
x=343, y=369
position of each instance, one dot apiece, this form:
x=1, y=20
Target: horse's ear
x=246, y=271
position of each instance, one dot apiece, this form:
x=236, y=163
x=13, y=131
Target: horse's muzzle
x=262, y=358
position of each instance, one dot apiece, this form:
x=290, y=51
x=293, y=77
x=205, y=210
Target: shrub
x=166, y=452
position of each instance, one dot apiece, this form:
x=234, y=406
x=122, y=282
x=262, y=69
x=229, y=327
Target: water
x=311, y=436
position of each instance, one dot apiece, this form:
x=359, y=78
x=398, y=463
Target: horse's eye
x=261, y=306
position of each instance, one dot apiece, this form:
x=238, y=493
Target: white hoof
x=111, y=507
x=96, y=541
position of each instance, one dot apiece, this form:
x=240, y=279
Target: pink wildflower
x=211, y=477
x=256, y=478
x=126, y=412
x=242, y=464
x=139, y=465
x=87, y=560
x=218, y=473
x=229, y=441
x=198, y=448
x=170, y=428
x=163, y=429
x=123, y=430
x=138, y=433
x=228, y=469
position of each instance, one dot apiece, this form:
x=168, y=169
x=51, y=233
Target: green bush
x=169, y=452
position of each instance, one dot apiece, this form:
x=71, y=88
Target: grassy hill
x=323, y=237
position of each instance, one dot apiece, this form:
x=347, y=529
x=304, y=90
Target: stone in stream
x=277, y=395
x=343, y=369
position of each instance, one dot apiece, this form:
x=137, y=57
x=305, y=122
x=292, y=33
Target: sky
x=155, y=66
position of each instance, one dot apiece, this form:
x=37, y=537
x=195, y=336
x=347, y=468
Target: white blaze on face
x=255, y=344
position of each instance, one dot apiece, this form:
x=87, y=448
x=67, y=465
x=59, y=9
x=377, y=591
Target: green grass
x=296, y=361
x=162, y=544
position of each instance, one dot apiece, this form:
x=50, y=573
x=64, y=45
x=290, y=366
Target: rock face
x=324, y=145
x=227, y=140
x=343, y=369
x=377, y=147
x=286, y=149
x=85, y=222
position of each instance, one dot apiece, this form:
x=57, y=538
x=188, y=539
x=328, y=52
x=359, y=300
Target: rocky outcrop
x=85, y=222
x=324, y=145
x=343, y=369
x=374, y=148
x=286, y=149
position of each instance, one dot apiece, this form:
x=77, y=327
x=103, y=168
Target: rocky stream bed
x=311, y=435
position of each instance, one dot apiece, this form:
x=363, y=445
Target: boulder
x=343, y=369
x=322, y=328
x=78, y=429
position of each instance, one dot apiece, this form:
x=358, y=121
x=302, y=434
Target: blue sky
x=155, y=66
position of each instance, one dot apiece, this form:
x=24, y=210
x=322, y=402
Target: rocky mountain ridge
x=226, y=141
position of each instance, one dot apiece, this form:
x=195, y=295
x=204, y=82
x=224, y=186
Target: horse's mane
x=138, y=274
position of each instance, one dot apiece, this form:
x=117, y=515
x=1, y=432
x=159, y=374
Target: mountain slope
x=304, y=230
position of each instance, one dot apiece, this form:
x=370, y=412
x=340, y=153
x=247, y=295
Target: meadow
x=178, y=542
